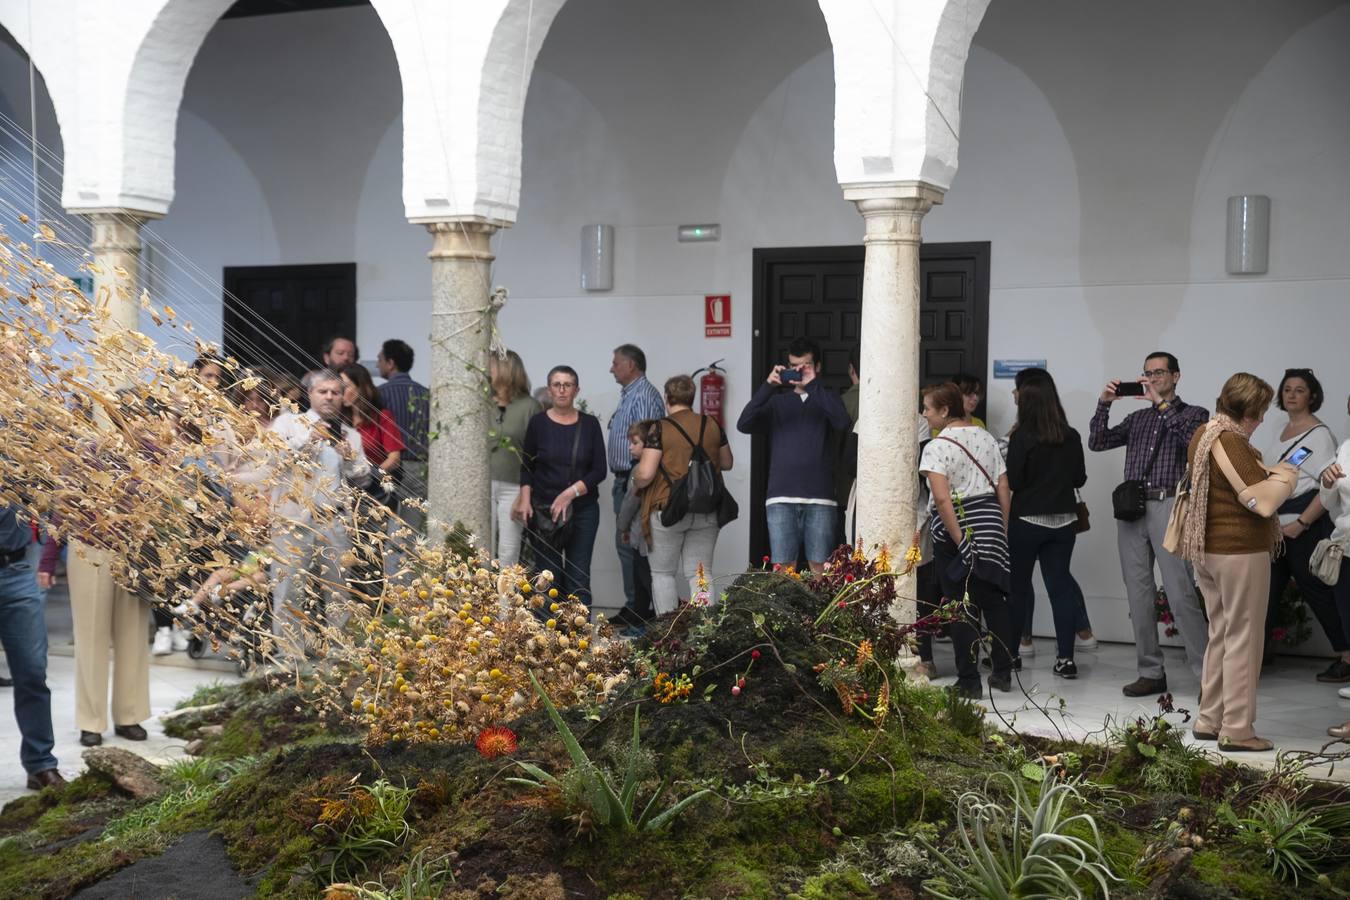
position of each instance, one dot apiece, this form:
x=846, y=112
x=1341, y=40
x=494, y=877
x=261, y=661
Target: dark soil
x=195, y=868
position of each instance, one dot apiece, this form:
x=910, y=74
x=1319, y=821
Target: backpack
x=700, y=489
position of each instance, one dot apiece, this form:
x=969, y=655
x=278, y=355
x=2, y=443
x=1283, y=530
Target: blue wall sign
x=1008, y=368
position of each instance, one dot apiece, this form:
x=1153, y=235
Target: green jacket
x=506, y=436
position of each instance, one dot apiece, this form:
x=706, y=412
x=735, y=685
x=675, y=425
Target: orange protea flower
x=494, y=741
x=883, y=561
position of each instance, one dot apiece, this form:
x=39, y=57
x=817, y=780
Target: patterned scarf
x=1193, y=532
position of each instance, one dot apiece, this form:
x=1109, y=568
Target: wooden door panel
x=817, y=292
x=280, y=316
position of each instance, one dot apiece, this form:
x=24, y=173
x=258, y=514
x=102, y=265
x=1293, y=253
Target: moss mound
x=803, y=799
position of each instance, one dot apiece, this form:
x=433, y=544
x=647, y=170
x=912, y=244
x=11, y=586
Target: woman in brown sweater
x=1230, y=534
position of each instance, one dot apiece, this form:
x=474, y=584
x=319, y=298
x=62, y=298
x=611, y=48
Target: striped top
x=638, y=399
x=986, y=550
x=410, y=405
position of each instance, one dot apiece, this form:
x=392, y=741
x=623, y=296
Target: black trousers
x=1321, y=598
x=928, y=596
x=986, y=600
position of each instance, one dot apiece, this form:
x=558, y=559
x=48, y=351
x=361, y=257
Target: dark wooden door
x=816, y=292
x=280, y=316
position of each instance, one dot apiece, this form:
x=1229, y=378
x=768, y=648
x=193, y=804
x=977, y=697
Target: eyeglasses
x=1156, y=373
x=563, y=386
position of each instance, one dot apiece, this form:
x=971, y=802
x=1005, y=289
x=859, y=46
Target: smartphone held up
x=1129, y=389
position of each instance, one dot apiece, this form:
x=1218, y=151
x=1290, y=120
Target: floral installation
x=495, y=741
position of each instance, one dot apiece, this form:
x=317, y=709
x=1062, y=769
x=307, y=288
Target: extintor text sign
x=717, y=315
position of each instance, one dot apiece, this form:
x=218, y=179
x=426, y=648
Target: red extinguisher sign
x=716, y=315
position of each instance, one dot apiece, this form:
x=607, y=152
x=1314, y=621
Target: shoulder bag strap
x=576, y=441
x=1298, y=440
x=983, y=471
x=1229, y=472
x=684, y=433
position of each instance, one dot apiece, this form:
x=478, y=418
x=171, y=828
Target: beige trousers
x=1237, y=590
x=104, y=614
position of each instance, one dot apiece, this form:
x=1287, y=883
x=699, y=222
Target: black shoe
x=1145, y=687
x=6, y=681
x=130, y=732
x=971, y=690
x=90, y=738
x=45, y=779
x=1000, y=683
x=1336, y=673
x=1016, y=663
x=1066, y=668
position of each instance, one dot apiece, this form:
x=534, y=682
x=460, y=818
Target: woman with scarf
x=1230, y=534
x=970, y=502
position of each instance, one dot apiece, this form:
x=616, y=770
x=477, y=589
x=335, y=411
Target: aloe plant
x=611, y=808
x=1022, y=851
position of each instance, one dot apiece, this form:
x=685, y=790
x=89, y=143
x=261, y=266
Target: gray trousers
x=299, y=608
x=1140, y=543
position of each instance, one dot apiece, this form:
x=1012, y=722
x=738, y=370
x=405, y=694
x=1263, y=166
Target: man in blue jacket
x=23, y=633
x=798, y=413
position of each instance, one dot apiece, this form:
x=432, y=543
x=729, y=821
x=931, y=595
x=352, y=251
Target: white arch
x=465, y=69
x=898, y=70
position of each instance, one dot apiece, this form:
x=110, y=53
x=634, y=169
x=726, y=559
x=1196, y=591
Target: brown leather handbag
x=1084, y=522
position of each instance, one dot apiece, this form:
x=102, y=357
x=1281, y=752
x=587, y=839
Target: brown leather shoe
x=45, y=779
x=1204, y=735
x=1250, y=745
x=130, y=732
x=1340, y=732
x=90, y=738
x=1145, y=687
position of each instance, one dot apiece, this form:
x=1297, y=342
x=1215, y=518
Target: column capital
x=116, y=229
x=461, y=239
x=893, y=211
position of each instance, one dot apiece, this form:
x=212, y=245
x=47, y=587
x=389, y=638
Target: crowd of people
x=1244, y=528
x=992, y=510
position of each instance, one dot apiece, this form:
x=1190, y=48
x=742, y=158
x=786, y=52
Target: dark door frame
x=763, y=259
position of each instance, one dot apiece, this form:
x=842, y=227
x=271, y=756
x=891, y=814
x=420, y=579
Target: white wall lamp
x=698, y=234
x=597, y=257
x=1248, y=247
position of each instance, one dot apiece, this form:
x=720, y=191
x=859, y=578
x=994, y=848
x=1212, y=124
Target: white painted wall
x=1098, y=150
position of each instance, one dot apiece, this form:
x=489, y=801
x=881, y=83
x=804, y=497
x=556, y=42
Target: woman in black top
x=562, y=463
x=1045, y=466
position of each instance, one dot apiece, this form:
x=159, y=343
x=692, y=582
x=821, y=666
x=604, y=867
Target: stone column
x=115, y=241
x=889, y=389
x=458, y=485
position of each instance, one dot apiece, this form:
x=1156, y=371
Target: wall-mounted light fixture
x=1248, y=247
x=692, y=234
x=597, y=257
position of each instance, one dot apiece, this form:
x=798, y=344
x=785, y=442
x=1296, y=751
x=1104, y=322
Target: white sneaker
x=1026, y=648
x=1085, y=643
x=1344, y=693
x=180, y=640
x=163, y=645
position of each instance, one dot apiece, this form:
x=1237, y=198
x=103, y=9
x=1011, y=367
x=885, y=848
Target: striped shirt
x=985, y=551
x=638, y=399
x=410, y=405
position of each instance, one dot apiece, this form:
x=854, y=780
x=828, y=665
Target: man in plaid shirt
x=1170, y=421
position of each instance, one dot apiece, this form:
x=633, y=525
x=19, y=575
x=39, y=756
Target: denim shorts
x=792, y=524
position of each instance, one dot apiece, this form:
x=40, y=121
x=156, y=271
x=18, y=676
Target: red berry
x=754, y=654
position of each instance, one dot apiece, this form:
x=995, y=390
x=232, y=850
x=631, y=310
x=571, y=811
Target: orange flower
x=495, y=741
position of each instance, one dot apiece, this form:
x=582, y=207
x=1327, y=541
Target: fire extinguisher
x=712, y=391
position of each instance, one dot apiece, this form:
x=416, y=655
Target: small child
x=631, y=529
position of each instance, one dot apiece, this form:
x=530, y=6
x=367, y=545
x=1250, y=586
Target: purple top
x=1138, y=434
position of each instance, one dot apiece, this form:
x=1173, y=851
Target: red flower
x=765, y=559
x=847, y=579
x=495, y=741
x=754, y=654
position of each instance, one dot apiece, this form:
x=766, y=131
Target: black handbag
x=1129, y=500
x=555, y=534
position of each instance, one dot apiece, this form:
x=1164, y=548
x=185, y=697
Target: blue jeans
x=1053, y=547
x=23, y=633
x=626, y=552
x=571, y=570
x=792, y=524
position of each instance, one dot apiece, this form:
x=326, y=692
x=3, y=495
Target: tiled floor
x=1293, y=710
x=168, y=686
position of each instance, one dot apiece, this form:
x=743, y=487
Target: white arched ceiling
x=898, y=69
